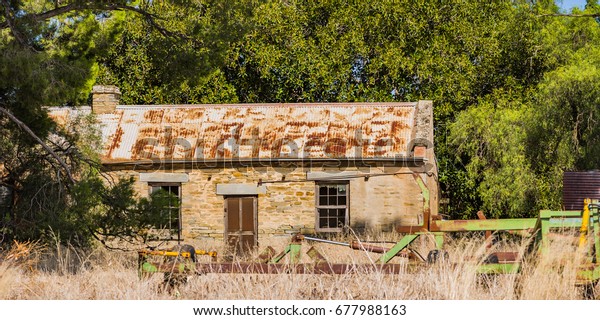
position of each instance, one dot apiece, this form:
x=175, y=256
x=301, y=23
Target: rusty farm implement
x=583, y=226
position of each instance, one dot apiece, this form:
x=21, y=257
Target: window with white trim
x=331, y=206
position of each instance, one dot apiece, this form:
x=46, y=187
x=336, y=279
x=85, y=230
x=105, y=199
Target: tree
x=150, y=68
x=372, y=51
x=453, y=52
x=51, y=172
x=515, y=145
x=491, y=138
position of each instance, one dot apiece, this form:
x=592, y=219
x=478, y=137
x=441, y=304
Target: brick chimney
x=105, y=99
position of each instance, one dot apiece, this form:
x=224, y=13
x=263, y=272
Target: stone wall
x=380, y=201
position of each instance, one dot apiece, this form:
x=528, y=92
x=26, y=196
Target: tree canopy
x=515, y=144
x=50, y=176
x=514, y=85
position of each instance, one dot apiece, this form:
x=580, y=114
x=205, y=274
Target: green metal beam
x=424, y=191
x=565, y=222
x=483, y=225
x=148, y=267
x=295, y=250
x=439, y=240
x=545, y=231
x=403, y=243
x=588, y=275
x=546, y=214
x=280, y=256
x=499, y=268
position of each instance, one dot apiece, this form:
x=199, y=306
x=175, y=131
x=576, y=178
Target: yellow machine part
x=585, y=221
x=177, y=253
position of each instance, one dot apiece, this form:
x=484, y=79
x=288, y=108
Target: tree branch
x=10, y=23
x=103, y=242
x=150, y=18
x=91, y=5
x=569, y=15
x=25, y=128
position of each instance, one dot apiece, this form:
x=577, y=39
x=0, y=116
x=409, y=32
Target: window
x=332, y=206
x=171, y=221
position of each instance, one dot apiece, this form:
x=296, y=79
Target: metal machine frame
x=539, y=229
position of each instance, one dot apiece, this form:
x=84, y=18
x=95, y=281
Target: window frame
x=318, y=206
x=152, y=186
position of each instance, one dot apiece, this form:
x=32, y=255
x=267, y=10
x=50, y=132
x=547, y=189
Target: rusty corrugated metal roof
x=63, y=115
x=208, y=132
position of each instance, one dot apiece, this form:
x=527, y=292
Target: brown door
x=240, y=223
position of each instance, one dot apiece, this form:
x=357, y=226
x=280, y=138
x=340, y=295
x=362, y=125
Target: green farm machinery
x=583, y=226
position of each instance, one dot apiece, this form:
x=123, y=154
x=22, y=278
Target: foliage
x=490, y=136
x=371, y=51
x=514, y=85
x=50, y=173
x=454, y=53
x=76, y=213
x=150, y=68
x=515, y=148
x=568, y=102
x=117, y=213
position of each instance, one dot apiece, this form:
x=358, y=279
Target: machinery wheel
x=491, y=259
x=437, y=255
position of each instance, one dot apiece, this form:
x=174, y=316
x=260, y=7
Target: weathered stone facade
x=379, y=199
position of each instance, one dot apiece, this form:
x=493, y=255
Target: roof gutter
x=303, y=162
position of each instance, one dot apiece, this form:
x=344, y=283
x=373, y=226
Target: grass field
x=29, y=271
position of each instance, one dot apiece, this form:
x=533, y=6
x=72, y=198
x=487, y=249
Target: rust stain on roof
x=310, y=131
x=153, y=116
x=115, y=140
x=61, y=117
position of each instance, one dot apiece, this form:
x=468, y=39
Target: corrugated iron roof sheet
x=63, y=115
x=580, y=185
x=208, y=132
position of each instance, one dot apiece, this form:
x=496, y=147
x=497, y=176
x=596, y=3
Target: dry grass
x=64, y=273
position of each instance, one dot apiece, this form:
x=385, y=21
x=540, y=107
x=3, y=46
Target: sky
x=568, y=4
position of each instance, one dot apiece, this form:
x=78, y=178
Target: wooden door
x=241, y=228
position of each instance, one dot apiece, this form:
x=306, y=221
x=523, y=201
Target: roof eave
x=305, y=162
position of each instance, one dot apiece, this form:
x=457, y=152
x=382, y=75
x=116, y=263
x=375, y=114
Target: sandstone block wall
x=378, y=202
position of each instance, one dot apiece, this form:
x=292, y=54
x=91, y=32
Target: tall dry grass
x=65, y=273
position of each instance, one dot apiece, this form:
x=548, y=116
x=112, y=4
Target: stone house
x=247, y=171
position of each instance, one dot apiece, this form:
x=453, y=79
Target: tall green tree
x=515, y=145
x=457, y=53
x=49, y=172
x=452, y=52
x=181, y=66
